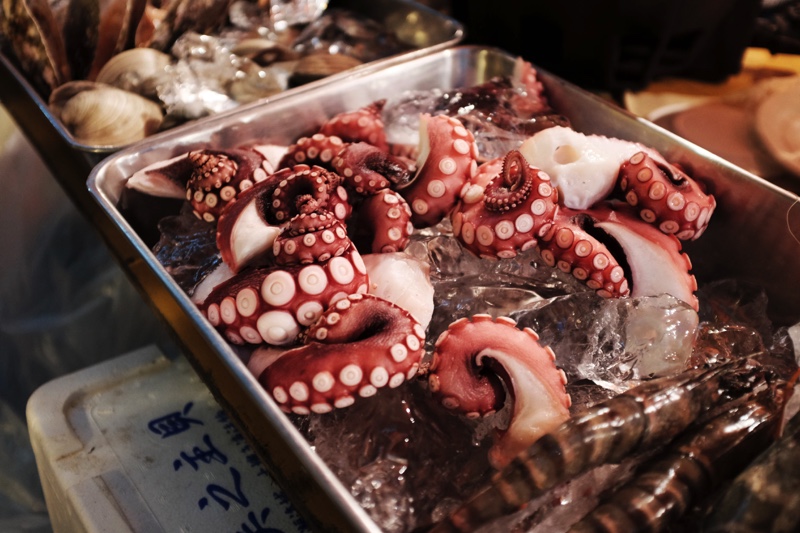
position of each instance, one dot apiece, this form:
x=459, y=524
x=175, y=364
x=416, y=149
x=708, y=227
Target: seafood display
x=98, y=64
x=414, y=283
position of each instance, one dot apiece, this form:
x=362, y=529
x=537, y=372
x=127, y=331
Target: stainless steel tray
x=751, y=235
x=423, y=29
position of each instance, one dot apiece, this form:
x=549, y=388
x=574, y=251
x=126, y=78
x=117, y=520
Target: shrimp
x=766, y=496
x=663, y=489
x=641, y=419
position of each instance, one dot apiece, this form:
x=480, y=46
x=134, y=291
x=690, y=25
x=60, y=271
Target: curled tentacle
x=459, y=378
x=616, y=254
x=447, y=159
x=515, y=208
x=247, y=228
x=362, y=125
x=665, y=196
x=317, y=150
x=574, y=247
x=358, y=346
x=311, y=238
x=367, y=169
x=302, y=189
x=273, y=304
x=218, y=177
x=208, y=179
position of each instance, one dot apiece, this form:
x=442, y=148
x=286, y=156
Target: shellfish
x=102, y=115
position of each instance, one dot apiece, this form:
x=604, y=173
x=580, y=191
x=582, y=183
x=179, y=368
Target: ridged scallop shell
x=136, y=70
x=101, y=115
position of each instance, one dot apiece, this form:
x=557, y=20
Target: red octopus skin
x=389, y=218
x=317, y=150
x=458, y=377
x=656, y=262
x=359, y=345
x=572, y=249
x=665, y=196
x=366, y=169
x=509, y=214
x=362, y=125
x=218, y=177
x=272, y=304
x=446, y=162
x=311, y=238
x=207, y=179
x=247, y=228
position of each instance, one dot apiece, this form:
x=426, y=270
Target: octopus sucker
x=362, y=125
x=529, y=373
x=363, y=350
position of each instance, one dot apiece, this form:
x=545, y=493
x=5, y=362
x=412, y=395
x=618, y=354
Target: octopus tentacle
x=359, y=345
x=273, y=304
x=656, y=261
x=447, y=159
x=465, y=377
x=382, y=223
x=218, y=177
x=616, y=254
x=362, y=125
x=317, y=150
x=510, y=213
x=311, y=237
x=367, y=169
x=207, y=179
x=247, y=228
x=665, y=196
x=573, y=247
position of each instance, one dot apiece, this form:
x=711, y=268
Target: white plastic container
x=138, y=444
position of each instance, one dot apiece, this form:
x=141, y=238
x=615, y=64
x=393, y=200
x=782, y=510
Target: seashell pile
x=116, y=71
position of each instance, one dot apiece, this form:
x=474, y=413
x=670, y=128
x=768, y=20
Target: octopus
x=330, y=370
x=557, y=193
x=315, y=266
x=327, y=327
x=461, y=377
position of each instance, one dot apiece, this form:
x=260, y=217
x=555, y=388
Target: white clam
x=137, y=70
x=101, y=115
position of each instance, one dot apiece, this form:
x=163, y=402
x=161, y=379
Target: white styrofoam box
x=138, y=444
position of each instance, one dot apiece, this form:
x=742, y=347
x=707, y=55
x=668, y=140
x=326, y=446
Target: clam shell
x=136, y=70
x=317, y=66
x=101, y=115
